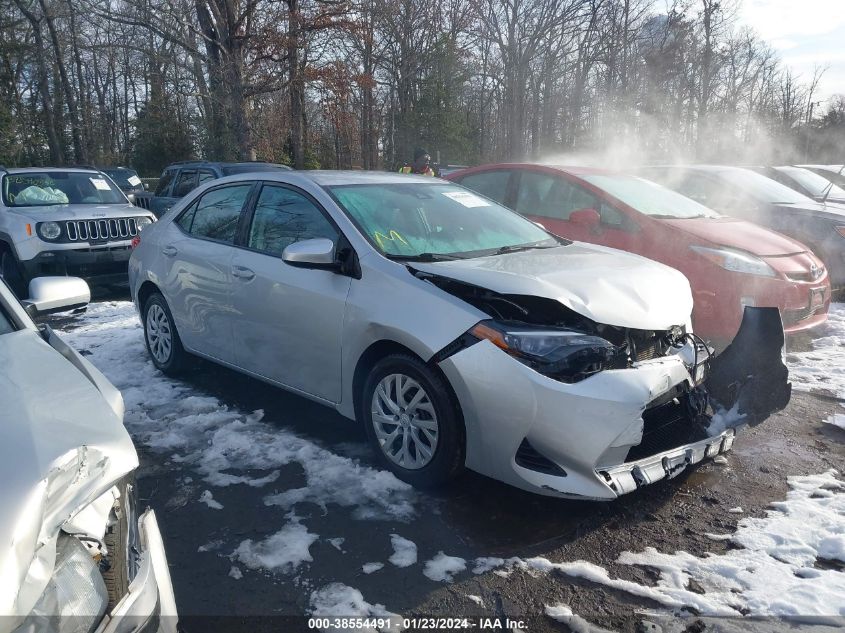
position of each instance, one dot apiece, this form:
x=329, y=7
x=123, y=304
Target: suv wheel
x=162, y=339
x=11, y=272
x=412, y=422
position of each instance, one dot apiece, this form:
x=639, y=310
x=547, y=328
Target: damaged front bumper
x=618, y=429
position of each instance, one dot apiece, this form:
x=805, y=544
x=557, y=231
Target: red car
x=730, y=263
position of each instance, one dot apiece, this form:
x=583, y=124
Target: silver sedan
x=458, y=333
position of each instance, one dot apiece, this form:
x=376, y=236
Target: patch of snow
x=339, y=600
x=486, y=563
x=337, y=543
x=369, y=568
x=502, y=573
x=404, y=551
x=210, y=546
x=476, y=599
x=837, y=419
x=822, y=368
x=563, y=613
x=208, y=500
x=283, y=551
x=442, y=568
x=736, y=510
x=236, y=573
x=723, y=419
x=720, y=459
x=218, y=442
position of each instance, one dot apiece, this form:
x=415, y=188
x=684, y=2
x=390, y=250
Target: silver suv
x=62, y=221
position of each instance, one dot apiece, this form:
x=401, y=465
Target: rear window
x=53, y=188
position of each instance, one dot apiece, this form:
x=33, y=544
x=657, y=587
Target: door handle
x=170, y=251
x=242, y=273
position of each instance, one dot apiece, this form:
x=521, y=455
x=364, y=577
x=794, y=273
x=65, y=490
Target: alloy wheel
x=159, y=333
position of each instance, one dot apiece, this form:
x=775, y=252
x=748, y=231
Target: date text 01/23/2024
x=398, y=623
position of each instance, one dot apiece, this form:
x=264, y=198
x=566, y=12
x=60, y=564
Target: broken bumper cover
x=574, y=439
x=149, y=605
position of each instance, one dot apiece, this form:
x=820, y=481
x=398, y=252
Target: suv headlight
x=142, y=222
x=565, y=355
x=49, y=230
x=736, y=261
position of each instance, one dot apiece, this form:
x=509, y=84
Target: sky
x=806, y=33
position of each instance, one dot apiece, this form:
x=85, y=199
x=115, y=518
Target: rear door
x=289, y=320
x=196, y=269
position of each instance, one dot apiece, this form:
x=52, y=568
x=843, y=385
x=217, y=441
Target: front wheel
x=413, y=422
x=162, y=339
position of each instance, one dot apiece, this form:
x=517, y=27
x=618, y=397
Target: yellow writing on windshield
x=392, y=236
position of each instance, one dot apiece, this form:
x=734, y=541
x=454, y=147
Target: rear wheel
x=162, y=339
x=412, y=421
x=10, y=271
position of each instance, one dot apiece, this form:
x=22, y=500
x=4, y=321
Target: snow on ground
x=369, y=568
x=208, y=499
x=217, y=441
x=577, y=624
x=339, y=600
x=837, y=419
x=235, y=572
x=404, y=551
x=283, y=551
x=442, y=568
x=822, y=368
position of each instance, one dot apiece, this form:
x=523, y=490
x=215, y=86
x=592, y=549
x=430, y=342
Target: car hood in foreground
x=60, y=212
x=61, y=446
x=739, y=234
x=603, y=284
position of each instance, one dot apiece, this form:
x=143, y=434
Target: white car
x=456, y=331
x=74, y=553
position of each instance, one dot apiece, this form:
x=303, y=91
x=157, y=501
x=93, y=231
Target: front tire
x=413, y=422
x=10, y=271
x=163, y=343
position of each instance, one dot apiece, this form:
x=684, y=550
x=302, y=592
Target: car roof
x=575, y=170
x=39, y=170
x=332, y=178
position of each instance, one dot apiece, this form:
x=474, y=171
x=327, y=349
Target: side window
x=282, y=217
x=533, y=195
x=205, y=176
x=185, y=183
x=186, y=219
x=699, y=189
x=492, y=184
x=554, y=197
x=164, y=182
x=217, y=213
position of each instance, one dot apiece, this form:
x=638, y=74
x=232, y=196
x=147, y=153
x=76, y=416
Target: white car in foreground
x=456, y=331
x=74, y=554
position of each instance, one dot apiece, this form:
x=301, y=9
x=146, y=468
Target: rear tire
x=163, y=343
x=10, y=271
x=412, y=421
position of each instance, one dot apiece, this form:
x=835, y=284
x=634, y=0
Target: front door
x=289, y=319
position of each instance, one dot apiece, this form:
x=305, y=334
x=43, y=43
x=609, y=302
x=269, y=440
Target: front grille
x=809, y=276
x=528, y=457
x=666, y=426
x=100, y=230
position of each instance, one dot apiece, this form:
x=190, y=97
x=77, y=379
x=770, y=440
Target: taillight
x=135, y=241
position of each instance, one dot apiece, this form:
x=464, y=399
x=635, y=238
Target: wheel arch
x=147, y=289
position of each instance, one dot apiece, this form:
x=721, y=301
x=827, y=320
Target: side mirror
x=588, y=218
x=131, y=197
x=314, y=253
x=56, y=294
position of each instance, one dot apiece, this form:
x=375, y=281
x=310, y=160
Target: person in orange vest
x=422, y=164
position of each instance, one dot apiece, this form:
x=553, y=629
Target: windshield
x=416, y=219
x=812, y=182
x=36, y=189
x=650, y=198
x=123, y=177
x=762, y=188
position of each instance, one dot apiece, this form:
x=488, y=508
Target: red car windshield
x=650, y=198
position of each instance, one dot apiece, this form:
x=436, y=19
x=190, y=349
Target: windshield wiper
x=424, y=257
x=515, y=248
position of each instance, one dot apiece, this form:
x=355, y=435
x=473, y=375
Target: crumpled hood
x=738, y=234
x=60, y=212
x=61, y=446
x=603, y=284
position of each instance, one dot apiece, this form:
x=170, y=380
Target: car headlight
x=736, y=261
x=142, y=222
x=49, y=230
x=76, y=595
x=564, y=355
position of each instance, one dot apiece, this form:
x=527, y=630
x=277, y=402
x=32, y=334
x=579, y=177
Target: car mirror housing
x=313, y=253
x=56, y=294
